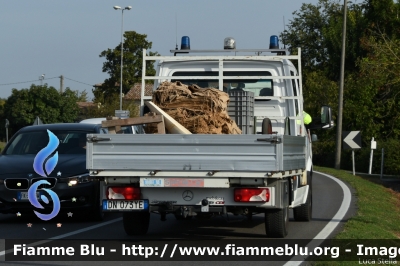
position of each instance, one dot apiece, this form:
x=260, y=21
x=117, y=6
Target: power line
x=21, y=82
x=5, y=84
x=79, y=82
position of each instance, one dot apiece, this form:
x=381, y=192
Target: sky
x=57, y=38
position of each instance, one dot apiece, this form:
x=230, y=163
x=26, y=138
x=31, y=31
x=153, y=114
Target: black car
x=28, y=158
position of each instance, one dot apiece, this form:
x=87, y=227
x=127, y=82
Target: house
x=86, y=105
x=134, y=93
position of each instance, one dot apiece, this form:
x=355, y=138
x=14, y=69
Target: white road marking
x=2, y=253
x=332, y=224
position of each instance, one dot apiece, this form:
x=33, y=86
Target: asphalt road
x=328, y=198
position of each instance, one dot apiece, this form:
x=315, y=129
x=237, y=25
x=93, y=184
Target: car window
x=127, y=130
x=70, y=142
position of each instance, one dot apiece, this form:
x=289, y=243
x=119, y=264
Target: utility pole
x=61, y=84
x=122, y=50
x=41, y=78
x=340, y=104
x=7, y=125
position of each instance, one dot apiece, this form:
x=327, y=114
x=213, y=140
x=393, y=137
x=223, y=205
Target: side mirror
x=324, y=121
x=325, y=114
x=326, y=117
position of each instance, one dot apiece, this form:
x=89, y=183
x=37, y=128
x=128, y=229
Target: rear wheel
x=136, y=223
x=277, y=222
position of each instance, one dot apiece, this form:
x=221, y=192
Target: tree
x=23, y=106
x=380, y=76
x=82, y=96
x=317, y=30
x=371, y=92
x=134, y=44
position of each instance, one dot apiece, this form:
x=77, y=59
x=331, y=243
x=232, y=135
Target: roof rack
x=281, y=54
x=257, y=51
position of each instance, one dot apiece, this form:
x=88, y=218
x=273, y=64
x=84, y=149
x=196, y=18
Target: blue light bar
x=273, y=42
x=185, y=43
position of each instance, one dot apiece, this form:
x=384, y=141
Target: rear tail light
x=128, y=193
x=251, y=194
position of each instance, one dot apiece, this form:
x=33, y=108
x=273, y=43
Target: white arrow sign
x=349, y=140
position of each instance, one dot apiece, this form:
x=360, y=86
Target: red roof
x=86, y=104
x=134, y=93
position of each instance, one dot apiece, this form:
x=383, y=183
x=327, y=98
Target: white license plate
x=109, y=205
x=23, y=195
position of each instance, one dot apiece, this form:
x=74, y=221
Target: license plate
x=23, y=195
x=140, y=205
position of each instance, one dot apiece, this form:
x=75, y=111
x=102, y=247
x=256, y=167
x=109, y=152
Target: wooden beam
x=133, y=121
x=170, y=123
x=114, y=125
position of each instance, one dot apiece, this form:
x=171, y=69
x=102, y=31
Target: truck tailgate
x=179, y=152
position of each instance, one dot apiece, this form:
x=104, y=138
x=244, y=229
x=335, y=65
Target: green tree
x=23, y=106
x=380, y=77
x=317, y=30
x=371, y=86
x=82, y=96
x=134, y=44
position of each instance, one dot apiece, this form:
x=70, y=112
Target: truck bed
x=195, y=153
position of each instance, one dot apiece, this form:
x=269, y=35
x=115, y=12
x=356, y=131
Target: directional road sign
x=351, y=140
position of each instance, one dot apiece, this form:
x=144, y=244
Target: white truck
x=266, y=169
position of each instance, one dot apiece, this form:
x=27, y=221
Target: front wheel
x=277, y=222
x=136, y=223
x=96, y=212
x=304, y=211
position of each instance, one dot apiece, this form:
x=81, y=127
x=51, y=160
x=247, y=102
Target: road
x=329, y=199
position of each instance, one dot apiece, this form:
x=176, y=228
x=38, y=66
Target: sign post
x=373, y=147
x=352, y=140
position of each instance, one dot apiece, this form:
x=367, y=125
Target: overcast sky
x=66, y=37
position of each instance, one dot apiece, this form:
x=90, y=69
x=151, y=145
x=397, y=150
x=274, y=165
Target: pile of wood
x=200, y=110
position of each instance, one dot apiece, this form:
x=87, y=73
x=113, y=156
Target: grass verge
x=378, y=209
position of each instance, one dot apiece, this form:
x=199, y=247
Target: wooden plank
x=171, y=124
x=132, y=121
x=161, y=126
x=114, y=125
